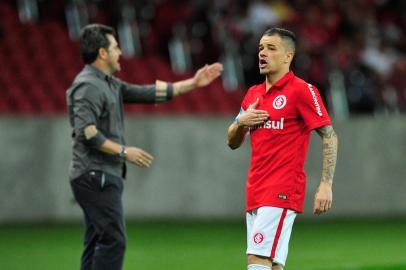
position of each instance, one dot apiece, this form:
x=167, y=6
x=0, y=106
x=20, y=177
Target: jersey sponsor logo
x=270, y=124
x=315, y=100
x=258, y=238
x=279, y=102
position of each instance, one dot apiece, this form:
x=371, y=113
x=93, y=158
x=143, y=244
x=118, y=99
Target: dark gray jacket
x=95, y=98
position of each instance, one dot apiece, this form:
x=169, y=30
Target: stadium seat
x=43, y=61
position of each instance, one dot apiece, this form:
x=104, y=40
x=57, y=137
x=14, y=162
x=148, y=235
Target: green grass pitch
x=332, y=245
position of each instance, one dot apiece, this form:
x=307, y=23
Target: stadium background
x=186, y=211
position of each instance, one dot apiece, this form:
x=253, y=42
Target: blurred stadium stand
x=353, y=51
x=43, y=60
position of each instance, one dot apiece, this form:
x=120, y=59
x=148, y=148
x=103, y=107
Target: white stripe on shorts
x=268, y=232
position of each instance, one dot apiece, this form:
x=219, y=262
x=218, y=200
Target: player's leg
x=262, y=263
x=268, y=234
x=276, y=266
x=255, y=262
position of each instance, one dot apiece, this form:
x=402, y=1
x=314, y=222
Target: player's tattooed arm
x=330, y=144
x=324, y=196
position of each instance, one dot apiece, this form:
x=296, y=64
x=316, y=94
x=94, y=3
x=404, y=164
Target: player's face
x=113, y=54
x=272, y=55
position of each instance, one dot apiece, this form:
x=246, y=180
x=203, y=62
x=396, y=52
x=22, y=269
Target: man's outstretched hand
x=205, y=75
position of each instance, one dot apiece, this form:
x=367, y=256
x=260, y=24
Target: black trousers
x=99, y=195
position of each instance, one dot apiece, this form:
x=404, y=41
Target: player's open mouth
x=262, y=63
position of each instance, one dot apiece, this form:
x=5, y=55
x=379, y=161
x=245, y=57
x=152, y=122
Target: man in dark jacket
x=95, y=102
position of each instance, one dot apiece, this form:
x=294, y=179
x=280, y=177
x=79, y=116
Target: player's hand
x=252, y=117
x=323, y=198
x=205, y=75
x=138, y=157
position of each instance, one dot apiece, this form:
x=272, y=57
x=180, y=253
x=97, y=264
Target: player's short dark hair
x=288, y=37
x=92, y=38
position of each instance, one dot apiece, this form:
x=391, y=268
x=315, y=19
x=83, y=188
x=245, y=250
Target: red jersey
x=276, y=175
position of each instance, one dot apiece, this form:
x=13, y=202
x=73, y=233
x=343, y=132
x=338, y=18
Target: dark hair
x=288, y=37
x=92, y=38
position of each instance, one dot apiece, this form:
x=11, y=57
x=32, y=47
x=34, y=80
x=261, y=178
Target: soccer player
x=95, y=101
x=279, y=115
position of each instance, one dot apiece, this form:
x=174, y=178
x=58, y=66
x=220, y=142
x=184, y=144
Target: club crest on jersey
x=258, y=238
x=279, y=102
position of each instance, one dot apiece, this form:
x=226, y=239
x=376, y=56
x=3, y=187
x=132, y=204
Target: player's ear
x=289, y=56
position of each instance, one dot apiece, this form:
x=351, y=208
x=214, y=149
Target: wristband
x=237, y=122
x=97, y=140
x=169, y=91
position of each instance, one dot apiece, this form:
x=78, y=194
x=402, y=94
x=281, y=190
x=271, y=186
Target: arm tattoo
x=329, y=152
